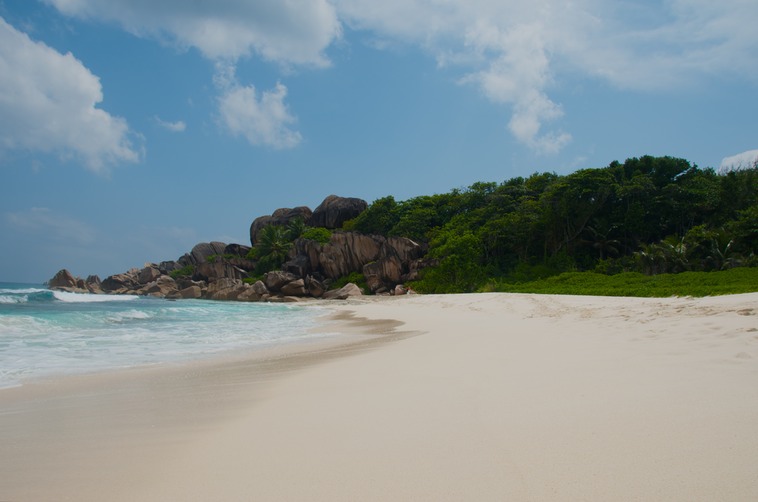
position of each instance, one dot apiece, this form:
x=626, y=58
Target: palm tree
x=722, y=256
x=296, y=228
x=601, y=241
x=272, y=248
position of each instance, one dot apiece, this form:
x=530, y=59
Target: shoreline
x=486, y=397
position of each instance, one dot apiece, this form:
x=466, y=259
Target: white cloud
x=516, y=51
x=48, y=103
x=744, y=160
x=178, y=126
x=53, y=226
x=292, y=31
x=262, y=120
x=286, y=32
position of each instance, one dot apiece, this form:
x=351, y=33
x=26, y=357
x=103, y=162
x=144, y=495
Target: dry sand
x=474, y=397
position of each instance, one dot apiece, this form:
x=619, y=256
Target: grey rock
x=276, y=279
x=334, y=211
x=294, y=288
x=62, y=279
x=344, y=292
x=260, y=288
x=282, y=216
x=203, y=250
x=191, y=292
x=148, y=275
x=315, y=288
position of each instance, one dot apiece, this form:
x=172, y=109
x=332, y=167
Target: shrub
x=186, y=271
x=318, y=234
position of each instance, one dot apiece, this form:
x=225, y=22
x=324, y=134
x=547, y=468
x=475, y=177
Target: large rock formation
x=62, y=280
x=335, y=210
x=385, y=262
x=203, y=250
x=282, y=216
x=215, y=270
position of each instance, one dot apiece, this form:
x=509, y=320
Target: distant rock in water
x=62, y=280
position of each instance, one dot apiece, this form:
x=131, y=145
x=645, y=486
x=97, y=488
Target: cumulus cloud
x=744, y=160
x=261, y=118
x=295, y=31
x=178, y=126
x=48, y=103
x=51, y=225
x=516, y=52
x=224, y=31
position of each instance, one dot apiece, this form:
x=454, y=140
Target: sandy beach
x=485, y=397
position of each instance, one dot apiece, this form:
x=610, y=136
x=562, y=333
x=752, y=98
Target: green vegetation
x=648, y=215
x=733, y=281
x=186, y=271
x=272, y=248
x=215, y=257
x=276, y=241
x=318, y=234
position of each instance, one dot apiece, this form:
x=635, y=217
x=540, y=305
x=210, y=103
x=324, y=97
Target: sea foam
x=46, y=333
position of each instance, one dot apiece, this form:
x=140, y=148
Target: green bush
x=458, y=270
x=698, y=284
x=182, y=272
x=318, y=234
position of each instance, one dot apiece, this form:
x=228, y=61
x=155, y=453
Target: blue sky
x=132, y=129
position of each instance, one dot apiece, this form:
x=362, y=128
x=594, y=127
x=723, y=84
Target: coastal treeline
x=651, y=215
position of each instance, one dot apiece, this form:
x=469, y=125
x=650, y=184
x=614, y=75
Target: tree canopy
x=648, y=214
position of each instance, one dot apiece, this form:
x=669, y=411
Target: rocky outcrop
x=148, y=274
x=276, y=280
x=190, y=292
x=220, y=268
x=226, y=289
x=203, y=250
x=334, y=211
x=122, y=283
x=215, y=270
x=63, y=280
x=344, y=292
x=93, y=284
x=282, y=216
x=385, y=262
x=294, y=288
x=314, y=287
x=162, y=287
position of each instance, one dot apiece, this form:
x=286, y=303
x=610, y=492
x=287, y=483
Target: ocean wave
x=34, y=295
x=15, y=296
x=10, y=299
x=129, y=315
x=67, y=297
x=26, y=291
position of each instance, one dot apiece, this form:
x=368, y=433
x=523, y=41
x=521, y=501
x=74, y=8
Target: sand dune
x=474, y=397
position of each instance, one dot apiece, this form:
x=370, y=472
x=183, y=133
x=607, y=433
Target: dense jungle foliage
x=652, y=215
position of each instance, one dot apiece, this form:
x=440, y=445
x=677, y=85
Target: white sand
x=490, y=397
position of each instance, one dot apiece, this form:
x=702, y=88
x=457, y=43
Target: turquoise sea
x=46, y=333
